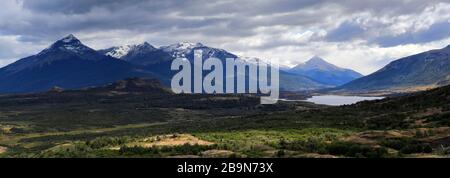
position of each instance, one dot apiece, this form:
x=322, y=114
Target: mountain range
x=69, y=64
x=158, y=60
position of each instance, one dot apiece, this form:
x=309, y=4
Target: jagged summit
x=140, y=54
x=144, y=46
x=70, y=43
x=120, y=52
x=69, y=38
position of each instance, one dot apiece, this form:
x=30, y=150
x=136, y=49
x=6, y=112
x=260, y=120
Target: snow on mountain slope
x=69, y=44
x=120, y=52
x=180, y=50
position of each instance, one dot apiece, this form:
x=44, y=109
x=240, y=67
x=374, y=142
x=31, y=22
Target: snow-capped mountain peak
x=69, y=43
x=121, y=51
x=69, y=38
x=181, y=49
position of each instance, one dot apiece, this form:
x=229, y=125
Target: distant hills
x=133, y=86
x=421, y=71
x=320, y=70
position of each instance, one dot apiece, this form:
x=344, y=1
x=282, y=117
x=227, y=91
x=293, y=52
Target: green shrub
x=407, y=145
x=355, y=150
x=310, y=145
x=185, y=149
x=106, y=141
x=280, y=153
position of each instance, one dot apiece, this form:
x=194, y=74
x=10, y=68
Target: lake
x=336, y=100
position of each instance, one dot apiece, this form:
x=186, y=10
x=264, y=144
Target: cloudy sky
x=361, y=35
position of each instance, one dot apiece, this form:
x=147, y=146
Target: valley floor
x=99, y=124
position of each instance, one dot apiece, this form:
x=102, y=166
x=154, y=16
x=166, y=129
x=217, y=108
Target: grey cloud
x=168, y=21
x=345, y=31
x=77, y=6
x=387, y=7
x=236, y=18
x=437, y=31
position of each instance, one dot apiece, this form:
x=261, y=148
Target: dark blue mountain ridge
x=421, y=71
x=326, y=73
x=68, y=64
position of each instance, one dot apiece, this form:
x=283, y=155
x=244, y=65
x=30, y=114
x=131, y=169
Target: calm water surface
x=335, y=100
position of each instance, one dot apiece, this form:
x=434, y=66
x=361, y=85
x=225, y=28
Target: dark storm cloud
x=84, y=6
x=346, y=31
x=184, y=7
x=46, y=19
x=259, y=25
